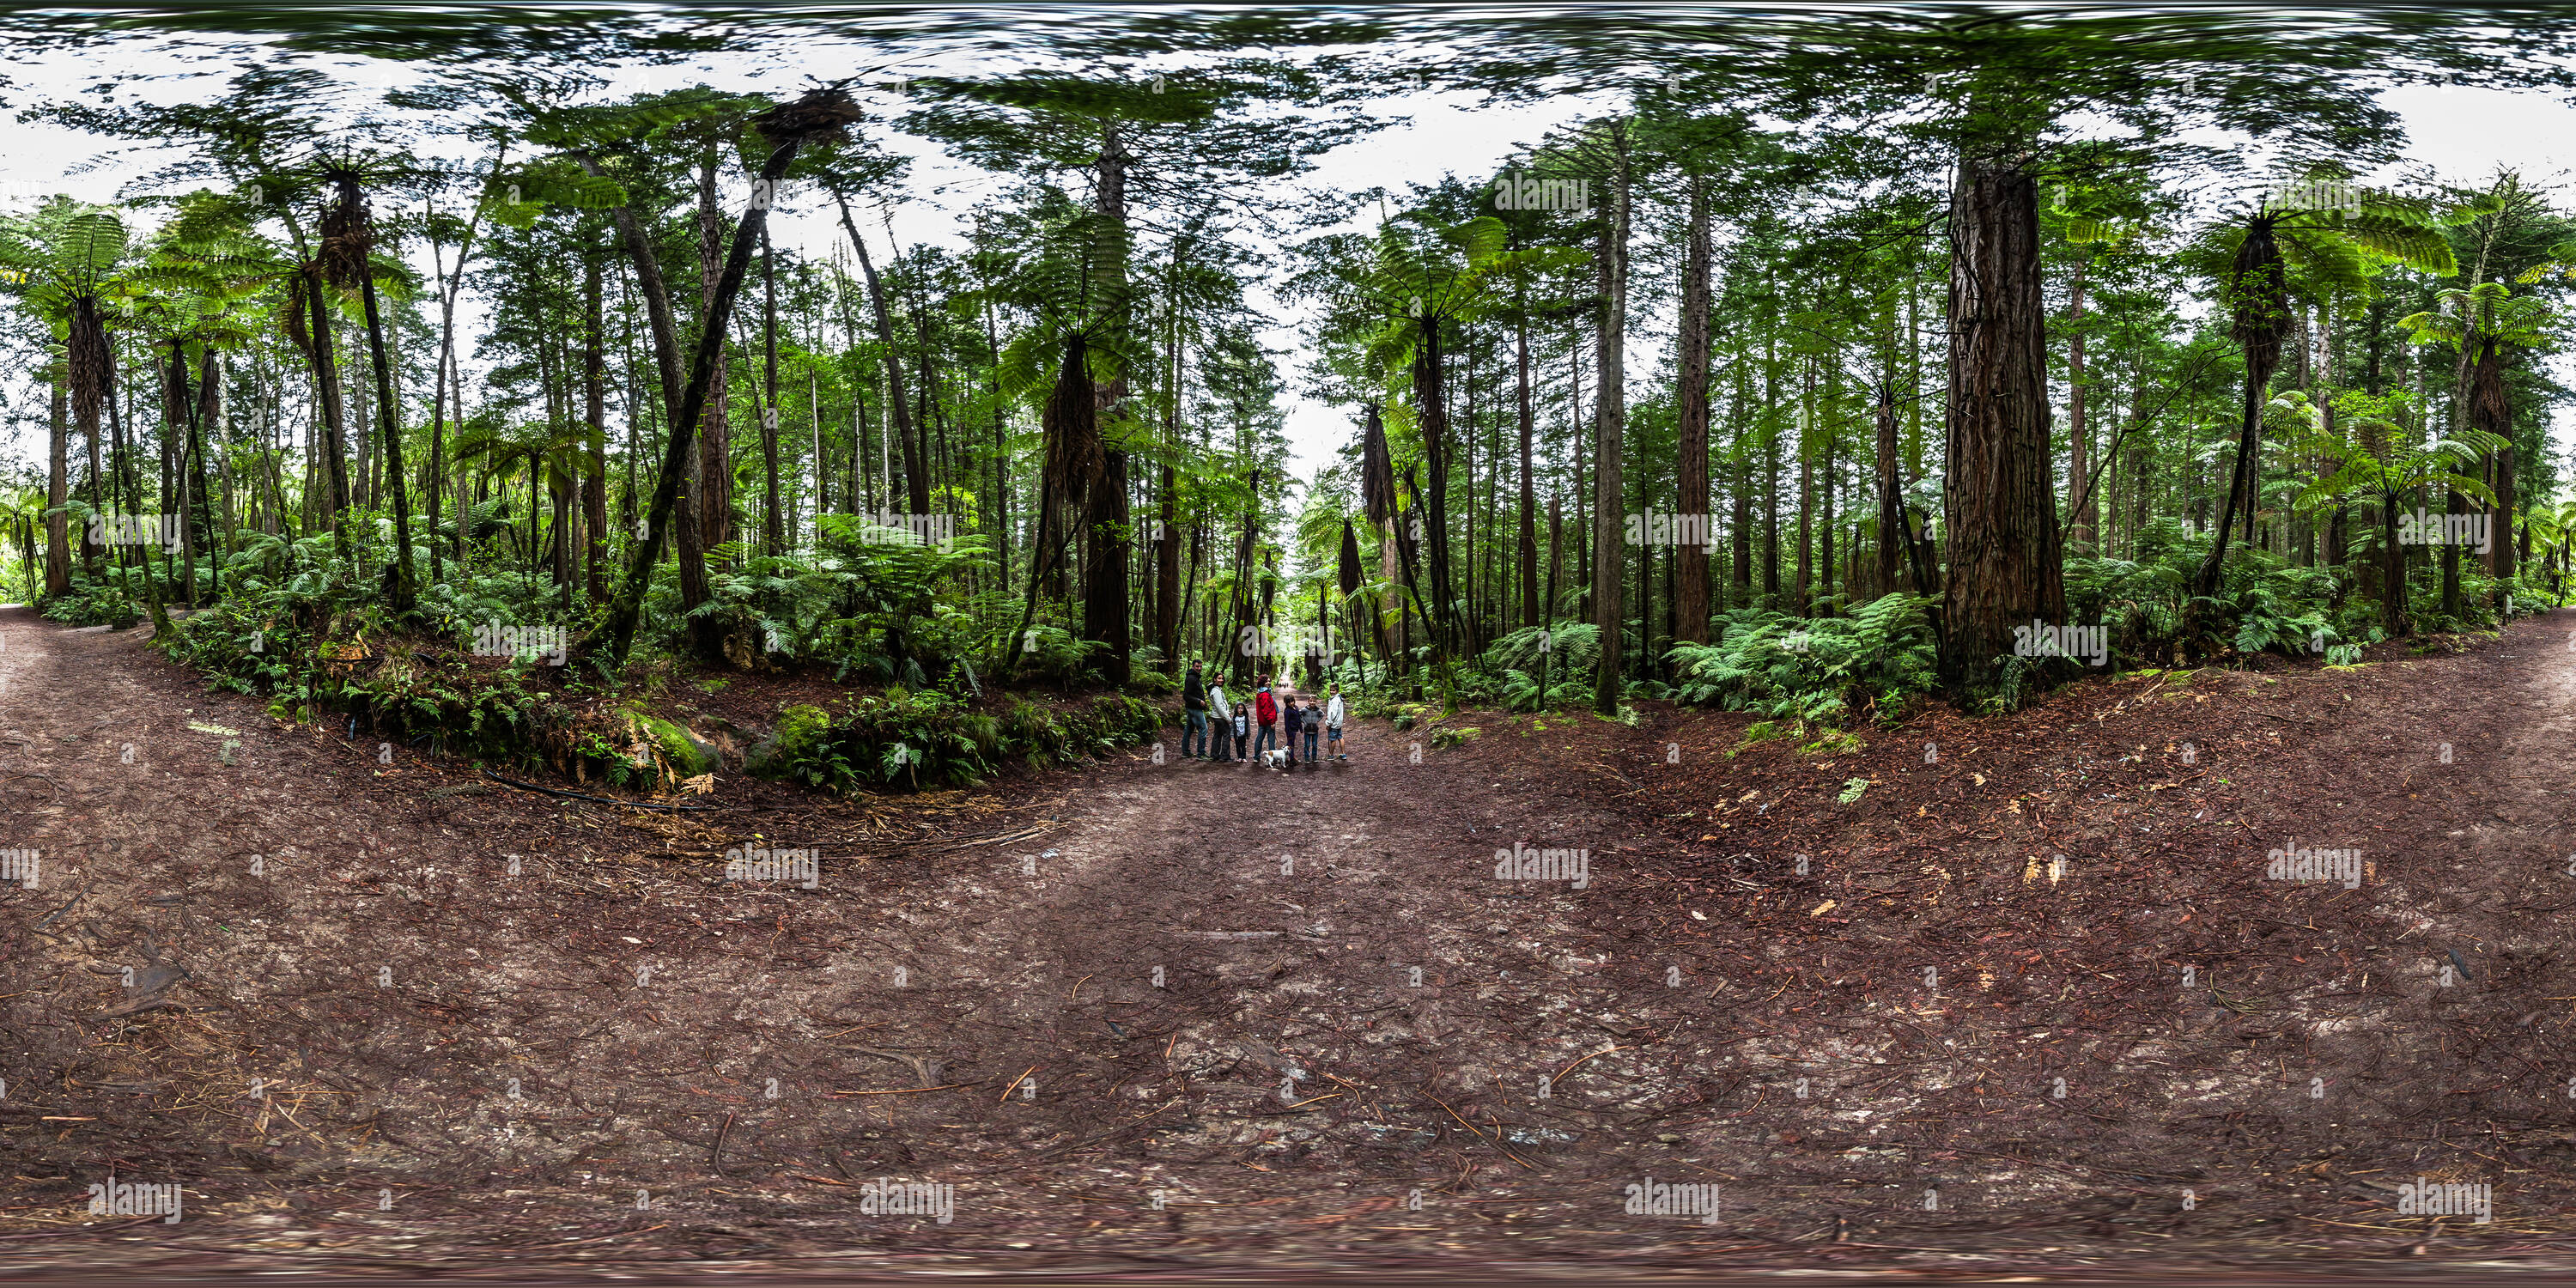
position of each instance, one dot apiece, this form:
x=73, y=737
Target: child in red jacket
x=1265, y=712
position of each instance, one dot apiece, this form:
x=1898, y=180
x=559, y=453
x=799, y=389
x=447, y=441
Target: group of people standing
x=1220, y=729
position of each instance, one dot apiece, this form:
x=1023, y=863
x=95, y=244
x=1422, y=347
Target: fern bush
x=1520, y=692
x=2284, y=611
x=1054, y=654
x=90, y=603
x=1816, y=669
x=267, y=644
x=1576, y=647
x=2140, y=602
x=909, y=739
x=2262, y=604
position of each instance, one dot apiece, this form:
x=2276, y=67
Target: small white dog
x=1275, y=758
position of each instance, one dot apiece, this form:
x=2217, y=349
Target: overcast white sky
x=2465, y=133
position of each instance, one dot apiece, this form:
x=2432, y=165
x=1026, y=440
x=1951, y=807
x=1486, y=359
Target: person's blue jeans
x=1311, y=732
x=1263, y=741
x=1196, y=734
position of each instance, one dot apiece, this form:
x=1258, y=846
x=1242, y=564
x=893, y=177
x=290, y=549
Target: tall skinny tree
x=820, y=114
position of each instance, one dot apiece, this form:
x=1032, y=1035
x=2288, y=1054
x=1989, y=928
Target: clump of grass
x=1760, y=731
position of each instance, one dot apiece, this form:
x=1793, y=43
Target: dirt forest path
x=1150, y=1015
x=1205, y=952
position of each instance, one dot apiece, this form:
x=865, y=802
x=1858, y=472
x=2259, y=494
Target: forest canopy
x=1816, y=362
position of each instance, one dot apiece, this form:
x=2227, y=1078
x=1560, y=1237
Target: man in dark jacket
x=1194, y=707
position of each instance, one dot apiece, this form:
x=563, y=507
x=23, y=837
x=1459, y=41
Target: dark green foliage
x=1813, y=669
x=2261, y=604
x=907, y=739
x=91, y=603
x=863, y=605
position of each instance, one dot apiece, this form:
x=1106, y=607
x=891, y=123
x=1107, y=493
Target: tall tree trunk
x=1167, y=525
x=202, y=524
x=1645, y=608
x=627, y=608
x=1001, y=509
x=123, y=487
x=180, y=406
x=680, y=468
x=2078, y=436
x=822, y=459
x=1690, y=559
x=448, y=287
x=2490, y=409
x=1609, y=497
x=1070, y=424
x=1892, y=534
x=362, y=417
x=594, y=403
x=1241, y=620
x=90, y=362
x=1430, y=400
x=1574, y=390
x=772, y=530
x=1105, y=601
x=898, y=406
x=2262, y=307
x=1555, y=566
x=1530, y=604
x=561, y=493
x=1825, y=517
x=1396, y=638
x=715, y=433
x=1105, y=616
x=1803, y=599
x=1473, y=582
x=58, y=558
x=89, y=549
x=177, y=408
x=406, y=585
x=230, y=538
x=456, y=398
x=1740, y=454
x=1999, y=491
x=1771, y=518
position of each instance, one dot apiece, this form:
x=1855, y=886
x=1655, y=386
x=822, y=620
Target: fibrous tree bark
x=1609, y=528
x=1999, y=494
x=1690, y=570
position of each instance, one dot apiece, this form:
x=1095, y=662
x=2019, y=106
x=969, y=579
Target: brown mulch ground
x=1163, y=1019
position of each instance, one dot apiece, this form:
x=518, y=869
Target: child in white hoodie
x=1333, y=726
x=1223, y=743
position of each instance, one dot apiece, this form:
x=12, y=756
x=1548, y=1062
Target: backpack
x=1266, y=707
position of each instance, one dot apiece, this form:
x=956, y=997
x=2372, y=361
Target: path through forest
x=1147, y=1015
